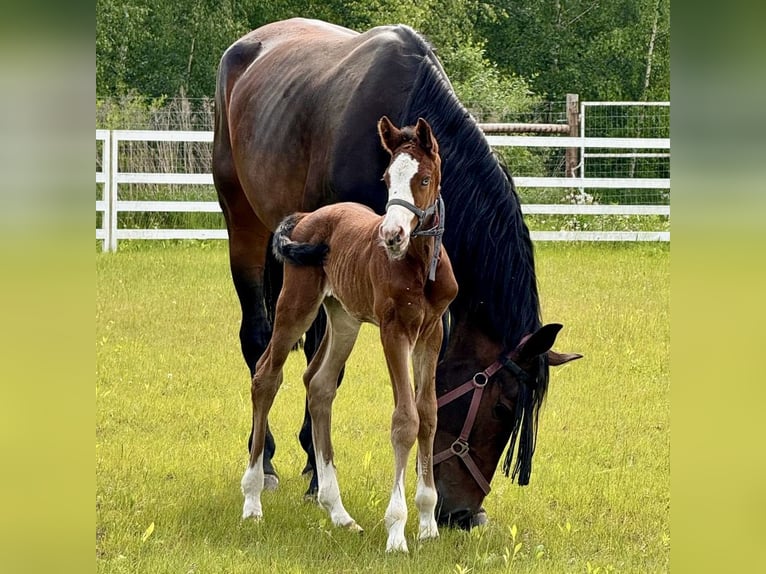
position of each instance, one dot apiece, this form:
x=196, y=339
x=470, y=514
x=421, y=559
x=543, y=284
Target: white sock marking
x=252, y=485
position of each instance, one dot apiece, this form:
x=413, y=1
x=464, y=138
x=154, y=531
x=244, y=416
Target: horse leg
x=310, y=347
x=404, y=429
x=249, y=242
x=424, y=359
x=321, y=379
x=296, y=309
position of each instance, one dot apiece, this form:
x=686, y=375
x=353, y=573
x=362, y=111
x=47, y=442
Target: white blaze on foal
x=396, y=225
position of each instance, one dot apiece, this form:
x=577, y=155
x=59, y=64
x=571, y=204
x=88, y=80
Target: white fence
x=110, y=178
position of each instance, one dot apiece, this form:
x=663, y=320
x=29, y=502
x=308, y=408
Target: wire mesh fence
x=602, y=120
x=633, y=120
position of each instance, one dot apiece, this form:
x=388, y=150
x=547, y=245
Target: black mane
x=486, y=237
x=488, y=244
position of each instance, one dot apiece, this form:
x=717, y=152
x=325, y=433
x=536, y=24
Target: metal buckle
x=459, y=447
x=477, y=382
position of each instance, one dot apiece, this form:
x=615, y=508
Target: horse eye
x=426, y=180
x=501, y=412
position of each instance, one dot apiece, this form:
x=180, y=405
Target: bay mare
x=296, y=107
x=362, y=267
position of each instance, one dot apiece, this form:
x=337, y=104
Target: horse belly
x=349, y=283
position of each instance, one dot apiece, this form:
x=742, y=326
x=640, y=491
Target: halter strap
x=477, y=383
x=437, y=210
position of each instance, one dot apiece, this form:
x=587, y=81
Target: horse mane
x=487, y=241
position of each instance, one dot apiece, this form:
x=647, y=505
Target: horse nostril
x=398, y=238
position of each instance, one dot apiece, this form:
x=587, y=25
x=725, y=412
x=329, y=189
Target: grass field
x=172, y=418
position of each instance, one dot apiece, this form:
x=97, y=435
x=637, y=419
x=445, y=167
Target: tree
x=596, y=49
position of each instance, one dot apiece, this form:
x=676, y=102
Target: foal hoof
x=270, y=482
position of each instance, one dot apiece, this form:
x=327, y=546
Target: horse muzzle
x=395, y=239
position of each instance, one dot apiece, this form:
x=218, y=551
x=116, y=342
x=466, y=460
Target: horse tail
x=287, y=250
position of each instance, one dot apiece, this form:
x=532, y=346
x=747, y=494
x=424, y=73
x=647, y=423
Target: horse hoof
x=430, y=531
x=398, y=547
x=480, y=518
x=270, y=482
x=310, y=497
x=253, y=515
x=354, y=527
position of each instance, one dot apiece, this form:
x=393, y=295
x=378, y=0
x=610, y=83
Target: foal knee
x=264, y=387
x=404, y=427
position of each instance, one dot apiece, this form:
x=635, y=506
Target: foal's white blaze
x=329, y=494
x=252, y=485
x=399, y=219
x=396, y=518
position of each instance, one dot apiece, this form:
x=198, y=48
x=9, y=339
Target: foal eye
x=425, y=181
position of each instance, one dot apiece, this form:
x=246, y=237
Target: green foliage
x=600, y=51
x=127, y=111
x=482, y=88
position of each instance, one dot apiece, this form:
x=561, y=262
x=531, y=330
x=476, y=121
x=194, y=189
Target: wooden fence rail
x=110, y=179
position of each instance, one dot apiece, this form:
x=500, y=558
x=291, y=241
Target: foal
x=388, y=270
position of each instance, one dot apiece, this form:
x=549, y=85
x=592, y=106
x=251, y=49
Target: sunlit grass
x=172, y=397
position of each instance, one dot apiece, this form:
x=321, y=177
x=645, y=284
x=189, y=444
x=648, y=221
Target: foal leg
x=296, y=308
x=404, y=429
x=310, y=347
x=424, y=359
x=321, y=380
x=249, y=242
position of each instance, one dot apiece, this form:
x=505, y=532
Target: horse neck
x=421, y=249
x=486, y=238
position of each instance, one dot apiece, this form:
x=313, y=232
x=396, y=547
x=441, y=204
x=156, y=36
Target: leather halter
x=460, y=446
x=437, y=210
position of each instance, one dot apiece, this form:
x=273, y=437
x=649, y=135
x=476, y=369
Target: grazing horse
x=295, y=113
x=363, y=267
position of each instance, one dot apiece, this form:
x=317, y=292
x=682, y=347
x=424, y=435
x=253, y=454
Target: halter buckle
x=480, y=380
x=459, y=447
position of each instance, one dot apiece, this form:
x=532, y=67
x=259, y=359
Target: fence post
x=106, y=192
x=573, y=120
x=111, y=232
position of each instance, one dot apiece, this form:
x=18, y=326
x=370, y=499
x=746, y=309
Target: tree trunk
x=647, y=76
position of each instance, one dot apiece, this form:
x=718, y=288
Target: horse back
x=297, y=104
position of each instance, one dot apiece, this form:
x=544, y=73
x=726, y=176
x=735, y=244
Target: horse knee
x=404, y=427
x=264, y=387
x=427, y=415
x=320, y=397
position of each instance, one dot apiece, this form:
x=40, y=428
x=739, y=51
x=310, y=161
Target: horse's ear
x=426, y=137
x=389, y=134
x=541, y=342
x=555, y=359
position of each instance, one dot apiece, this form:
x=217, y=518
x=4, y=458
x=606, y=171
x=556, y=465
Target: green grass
x=172, y=398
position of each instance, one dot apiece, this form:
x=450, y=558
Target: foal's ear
x=390, y=135
x=426, y=137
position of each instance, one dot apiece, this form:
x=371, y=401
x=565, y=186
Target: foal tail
x=285, y=249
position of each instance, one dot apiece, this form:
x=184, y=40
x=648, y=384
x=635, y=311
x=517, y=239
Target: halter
x=460, y=446
x=437, y=210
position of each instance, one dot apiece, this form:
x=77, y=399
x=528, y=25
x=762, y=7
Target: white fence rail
x=110, y=178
